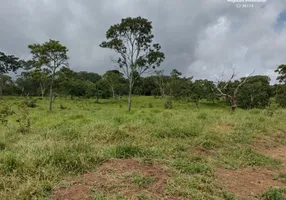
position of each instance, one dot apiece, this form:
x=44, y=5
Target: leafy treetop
x=132, y=39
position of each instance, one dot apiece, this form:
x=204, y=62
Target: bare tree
x=225, y=90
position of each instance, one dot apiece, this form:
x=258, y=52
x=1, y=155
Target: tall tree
x=8, y=63
x=132, y=39
x=52, y=55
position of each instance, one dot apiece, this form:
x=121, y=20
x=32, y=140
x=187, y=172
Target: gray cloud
x=200, y=38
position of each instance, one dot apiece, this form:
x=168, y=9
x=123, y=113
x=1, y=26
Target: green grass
x=280, y=177
x=71, y=141
x=274, y=194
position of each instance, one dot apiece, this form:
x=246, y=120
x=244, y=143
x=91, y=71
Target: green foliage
x=255, y=93
x=9, y=63
x=50, y=54
x=281, y=70
x=274, y=194
x=281, y=95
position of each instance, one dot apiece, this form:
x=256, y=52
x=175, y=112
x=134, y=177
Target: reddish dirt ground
x=247, y=183
x=116, y=177
x=250, y=183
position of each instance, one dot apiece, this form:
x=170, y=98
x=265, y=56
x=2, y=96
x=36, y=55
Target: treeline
x=255, y=93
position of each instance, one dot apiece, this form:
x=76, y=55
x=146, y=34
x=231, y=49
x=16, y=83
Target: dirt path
x=250, y=183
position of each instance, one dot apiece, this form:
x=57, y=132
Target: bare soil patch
x=117, y=177
x=247, y=183
x=250, y=183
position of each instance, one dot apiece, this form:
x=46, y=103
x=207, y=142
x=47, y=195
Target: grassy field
x=190, y=143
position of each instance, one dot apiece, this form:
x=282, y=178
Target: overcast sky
x=201, y=38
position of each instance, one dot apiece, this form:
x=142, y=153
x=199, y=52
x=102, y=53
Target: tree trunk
x=1, y=91
x=130, y=95
x=233, y=104
x=42, y=91
x=113, y=93
x=51, y=91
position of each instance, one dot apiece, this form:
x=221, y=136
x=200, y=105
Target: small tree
x=52, y=55
x=132, y=39
x=114, y=79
